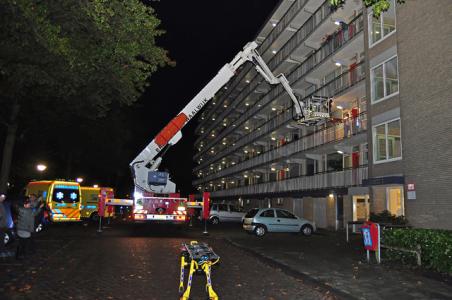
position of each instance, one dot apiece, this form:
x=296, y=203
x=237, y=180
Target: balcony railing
x=282, y=24
x=319, y=16
x=302, y=34
x=327, y=135
x=332, y=45
x=337, y=41
x=285, y=21
x=345, y=178
x=332, y=88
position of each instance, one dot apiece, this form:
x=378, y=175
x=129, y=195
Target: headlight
x=181, y=208
x=137, y=195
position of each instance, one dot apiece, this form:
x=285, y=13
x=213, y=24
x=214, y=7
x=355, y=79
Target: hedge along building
x=248, y=150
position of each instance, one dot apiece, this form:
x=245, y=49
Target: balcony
x=276, y=32
x=327, y=135
x=308, y=27
x=337, y=42
x=345, y=178
x=332, y=88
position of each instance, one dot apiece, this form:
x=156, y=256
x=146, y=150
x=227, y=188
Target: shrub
x=385, y=217
x=436, y=246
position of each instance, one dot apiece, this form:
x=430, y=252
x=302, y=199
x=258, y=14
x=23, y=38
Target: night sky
x=201, y=36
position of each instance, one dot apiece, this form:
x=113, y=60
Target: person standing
x=3, y=227
x=25, y=227
x=346, y=125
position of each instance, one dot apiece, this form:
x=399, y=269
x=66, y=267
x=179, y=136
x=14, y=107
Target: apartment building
x=250, y=151
x=409, y=87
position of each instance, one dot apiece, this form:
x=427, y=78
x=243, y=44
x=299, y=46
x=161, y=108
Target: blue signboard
x=366, y=237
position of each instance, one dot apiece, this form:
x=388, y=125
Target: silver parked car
x=262, y=220
x=225, y=213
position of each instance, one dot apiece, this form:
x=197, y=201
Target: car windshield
x=66, y=195
x=222, y=207
x=234, y=209
x=251, y=213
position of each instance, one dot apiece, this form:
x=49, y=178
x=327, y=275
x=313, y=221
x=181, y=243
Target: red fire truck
x=148, y=180
x=148, y=207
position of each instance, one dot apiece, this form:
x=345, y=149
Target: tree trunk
x=8, y=147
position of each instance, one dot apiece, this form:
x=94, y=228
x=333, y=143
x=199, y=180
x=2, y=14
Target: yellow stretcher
x=200, y=258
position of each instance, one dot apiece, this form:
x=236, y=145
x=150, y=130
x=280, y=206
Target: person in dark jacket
x=3, y=227
x=25, y=226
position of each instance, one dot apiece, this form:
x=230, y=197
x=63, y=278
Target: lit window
x=387, y=141
x=380, y=28
x=395, y=201
x=385, y=80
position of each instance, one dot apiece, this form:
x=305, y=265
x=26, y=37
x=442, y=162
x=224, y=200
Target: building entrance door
x=320, y=212
x=361, y=210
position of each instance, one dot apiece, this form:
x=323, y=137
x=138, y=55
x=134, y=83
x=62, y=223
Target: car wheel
x=215, y=221
x=307, y=230
x=260, y=230
x=7, y=238
x=94, y=217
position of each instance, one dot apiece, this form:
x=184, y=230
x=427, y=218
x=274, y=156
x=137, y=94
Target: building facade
x=372, y=155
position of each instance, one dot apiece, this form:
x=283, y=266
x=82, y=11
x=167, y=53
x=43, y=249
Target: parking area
x=326, y=258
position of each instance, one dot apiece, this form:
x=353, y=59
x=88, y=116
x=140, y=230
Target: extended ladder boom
x=150, y=158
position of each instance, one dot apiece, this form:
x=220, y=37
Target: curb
x=287, y=269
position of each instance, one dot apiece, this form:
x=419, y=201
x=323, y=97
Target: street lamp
x=79, y=179
x=41, y=167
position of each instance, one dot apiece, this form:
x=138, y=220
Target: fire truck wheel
x=215, y=221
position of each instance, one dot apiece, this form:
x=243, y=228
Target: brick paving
x=130, y=262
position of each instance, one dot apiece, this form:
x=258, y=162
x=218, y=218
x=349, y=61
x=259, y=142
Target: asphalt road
x=138, y=262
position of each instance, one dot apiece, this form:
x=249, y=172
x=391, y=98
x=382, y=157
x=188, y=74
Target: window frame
x=223, y=206
x=370, y=16
x=268, y=209
x=374, y=142
x=374, y=101
x=291, y=215
x=402, y=194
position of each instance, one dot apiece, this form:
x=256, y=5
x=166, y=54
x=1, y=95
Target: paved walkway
x=328, y=259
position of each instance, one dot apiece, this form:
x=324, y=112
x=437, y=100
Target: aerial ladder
x=144, y=167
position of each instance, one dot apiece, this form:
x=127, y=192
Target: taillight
x=138, y=216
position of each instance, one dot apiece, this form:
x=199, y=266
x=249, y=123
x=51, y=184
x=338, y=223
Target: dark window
x=65, y=195
x=223, y=207
x=269, y=213
x=284, y=214
x=251, y=213
x=233, y=209
x=214, y=207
